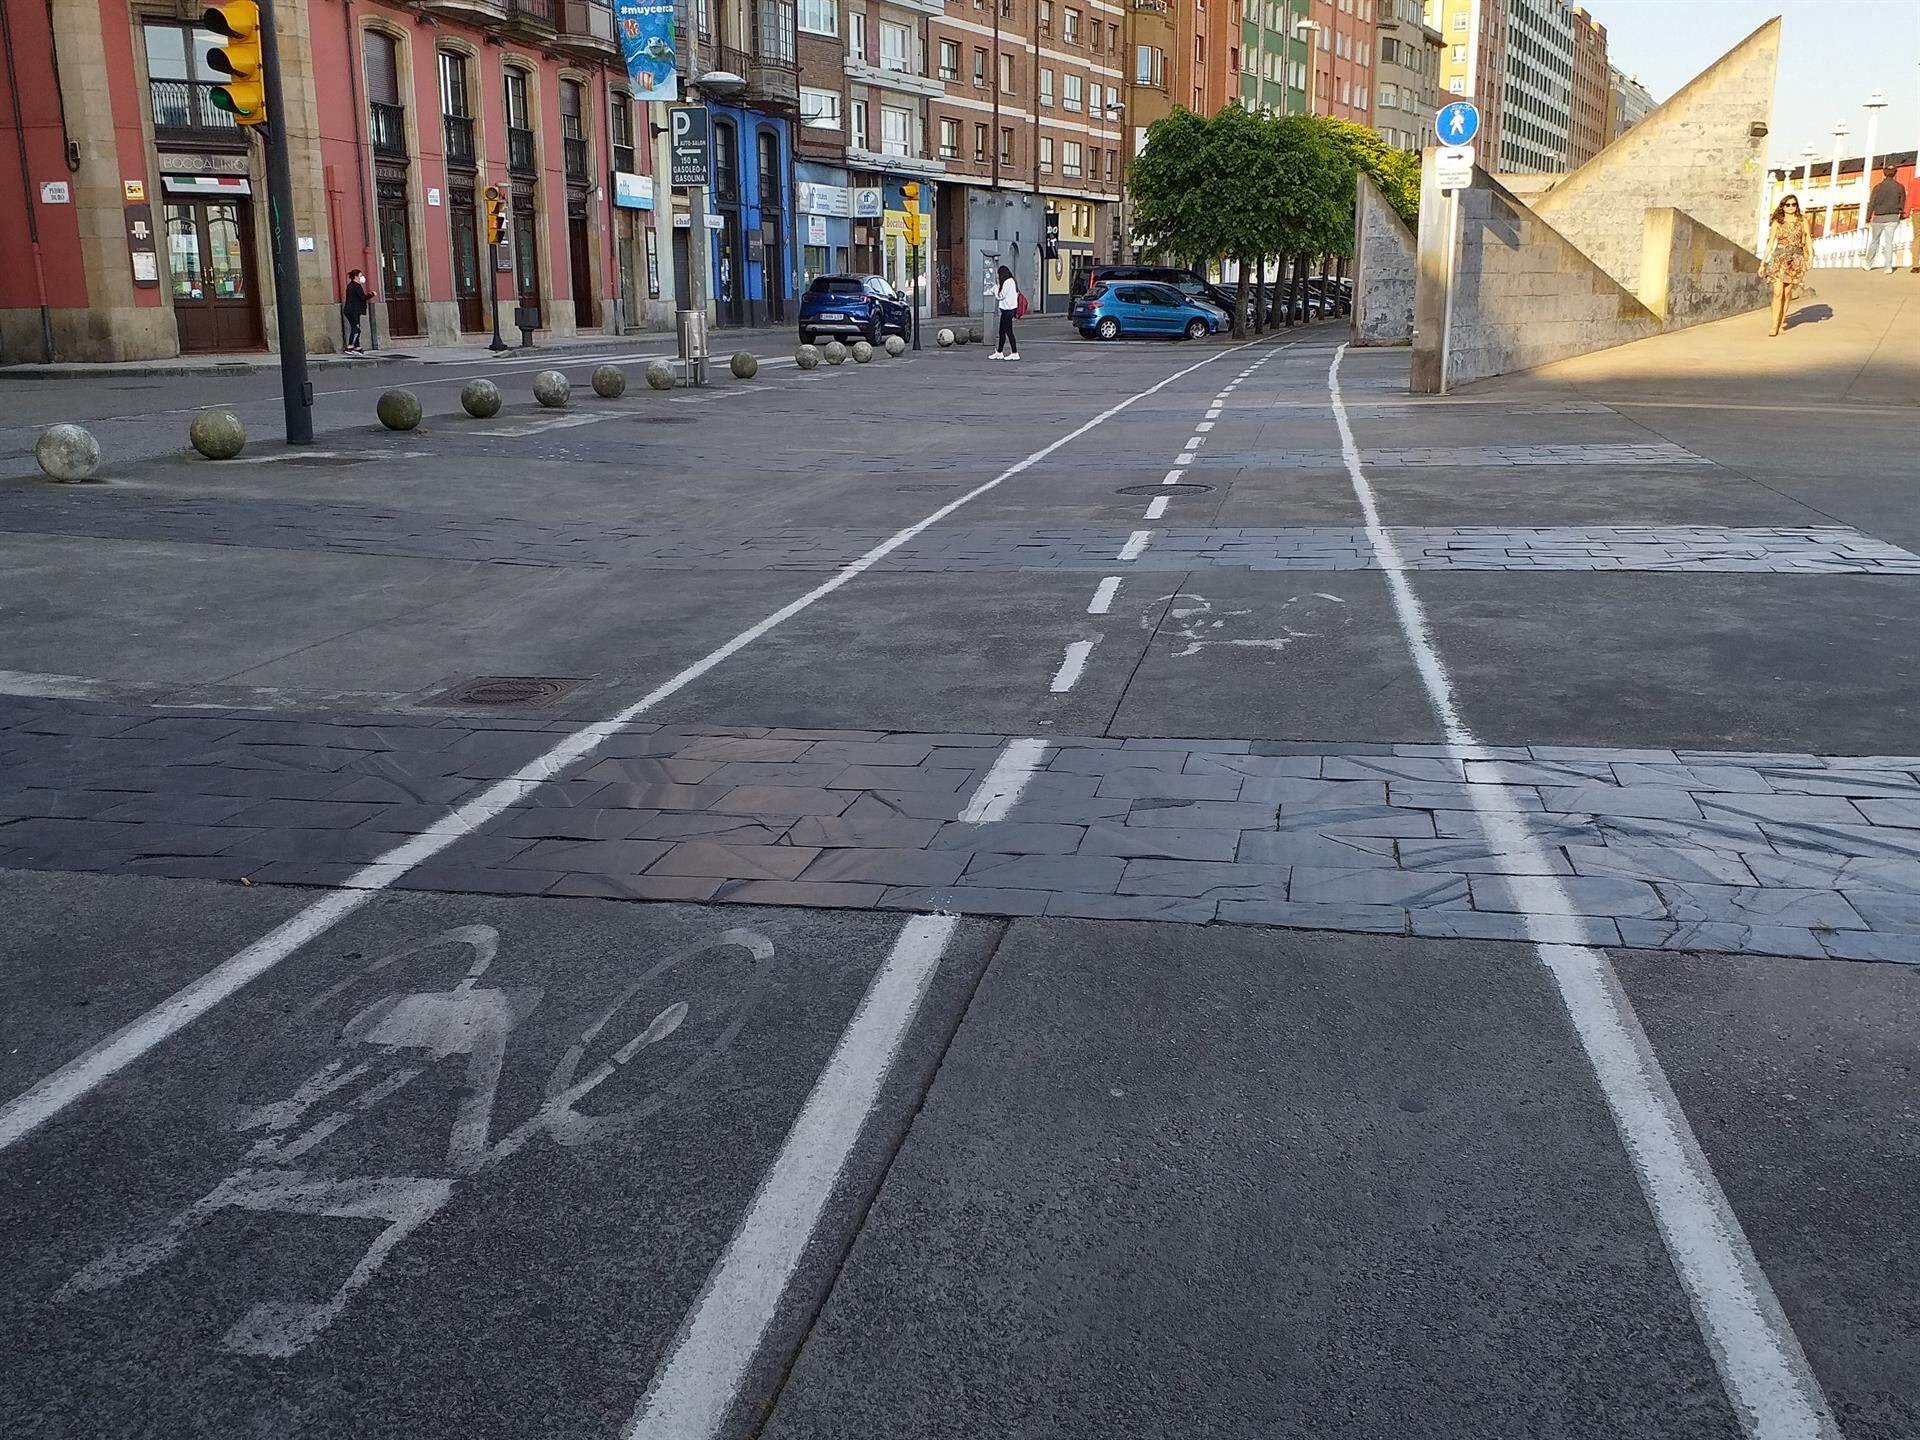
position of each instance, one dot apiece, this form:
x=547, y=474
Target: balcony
x=183, y=110
x=586, y=28
x=905, y=82
x=774, y=76
x=532, y=18
x=520, y=152
x=473, y=12
x=574, y=153
x=387, y=125
x=861, y=158
x=458, y=130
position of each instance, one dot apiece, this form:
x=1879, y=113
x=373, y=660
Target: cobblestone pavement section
x=358, y=529
x=1800, y=855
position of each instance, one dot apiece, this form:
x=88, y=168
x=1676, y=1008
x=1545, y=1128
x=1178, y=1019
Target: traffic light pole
x=295, y=389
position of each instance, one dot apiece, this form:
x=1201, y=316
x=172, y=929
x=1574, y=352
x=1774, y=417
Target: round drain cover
x=512, y=690
x=1179, y=487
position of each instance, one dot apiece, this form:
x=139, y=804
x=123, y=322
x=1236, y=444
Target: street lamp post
x=1807, y=153
x=1876, y=102
x=692, y=326
x=1840, y=133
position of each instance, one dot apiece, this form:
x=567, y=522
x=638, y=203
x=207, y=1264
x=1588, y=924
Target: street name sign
x=1453, y=167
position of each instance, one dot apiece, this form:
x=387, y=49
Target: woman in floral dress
x=1788, y=245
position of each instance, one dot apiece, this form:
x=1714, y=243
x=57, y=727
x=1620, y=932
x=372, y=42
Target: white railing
x=1848, y=250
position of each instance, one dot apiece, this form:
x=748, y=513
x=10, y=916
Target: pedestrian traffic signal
x=496, y=213
x=910, y=192
x=244, y=95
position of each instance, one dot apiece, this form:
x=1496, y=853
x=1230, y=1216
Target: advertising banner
x=646, y=40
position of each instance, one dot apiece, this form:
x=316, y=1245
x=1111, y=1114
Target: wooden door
x=580, y=264
x=396, y=261
x=468, y=276
x=526, y=256
x=216, y=302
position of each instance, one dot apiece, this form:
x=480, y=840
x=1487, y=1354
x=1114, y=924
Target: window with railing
x=387, y=129
x=386, y=118
x=573, y=133
x=456, y=110
x=773, y=33
x=179, y=86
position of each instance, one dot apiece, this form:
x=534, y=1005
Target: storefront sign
x=136, y=191
x=141, y=244
x=433, y=197
x=894, y=223
x=689, y=129
x=813, y=199
x=632, y=192
x=646, y=42
x=817, y=230
x=185, y=163
x=867, y=204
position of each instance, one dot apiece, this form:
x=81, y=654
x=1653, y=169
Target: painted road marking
x=1185, y=457
x=31, y=684
x=1000, y=790
x=1173, y=477
x=1771, y=1387
x=1103, y=595
x=1136, y=543
x=697, y=1385
x=1156, y=507
x=53, y=1093
x=1205, y=425
x=554, y=422
x=1068, y=675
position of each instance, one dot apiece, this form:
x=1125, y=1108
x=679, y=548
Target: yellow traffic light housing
x=910, y=192
x=244, y=96
x=496, y=203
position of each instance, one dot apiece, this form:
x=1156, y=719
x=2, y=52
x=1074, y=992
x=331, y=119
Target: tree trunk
x=1260, y=310
x=1240, y=304
x=1299, y=300
x=1283, y=289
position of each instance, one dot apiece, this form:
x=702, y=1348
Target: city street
x=1165, y=889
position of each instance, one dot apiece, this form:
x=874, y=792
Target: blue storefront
x=753, y=246
x=823, y=219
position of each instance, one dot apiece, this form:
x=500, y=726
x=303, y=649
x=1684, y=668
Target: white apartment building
x=1537, y=89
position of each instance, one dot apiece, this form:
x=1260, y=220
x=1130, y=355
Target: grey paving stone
x=1735, y=779
x=1656, y=862
x=966, y=900
x=1459, y=795
x=1090, y=874
x=331, y=873
x=1201, y=815
x=944, y=781
x=1265, y=767
x=1345, y=747
x=1594, y=755
x=600, y=857
x=1293, y=790
x=1131, y=907
x=653, y=770
x=187, y=867
x=1800, y=809
x=888, y=867
x=1408, y=889
x=1569, y=895
x=637, y=887
x=1871, y=841
x=1457, y=924
x=1904, y=814
x=838, y=896
x=1808, y=870
x=1759, y=759
x=778, y=801
x=1011, y=837
x=1333, y=852
x=1538, y=772
x=770, y=772
x=656, y=796
x=1727, y=836
x=890, y=753
x=865, y=830
x=1468, y=753
x=735, y=747
x=1385, y=820
x=1106, y=837
x=1168, y=785
x=1759, y=905
x=1211, y=747
x=1078, y=759
x=343, y=846
x=168, y=809
x=1392, y=767
x=737, y=862
x=579, y=823
x=1476, y=857
x=1202, y=879
x=1898, y=949
x=1722, y=936
x=1656, y=802
x=441, y=790
x=1885, y=909
x=1376, y=919
x=915, y=804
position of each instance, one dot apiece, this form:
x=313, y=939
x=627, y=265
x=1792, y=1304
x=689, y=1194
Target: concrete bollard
x=659, y=375
x=834, y=353
x=862, y=352
x=609, y=382
x=744, y=366
x=944, y=339
x=807, y=357
x=551, y=389
x=398, y=409
x=218, y=434
x=895, y=346
x=480, y=399
x=67, y=453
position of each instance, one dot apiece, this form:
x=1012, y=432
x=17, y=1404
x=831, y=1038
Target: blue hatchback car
x=857, y=306
x=1133, y=307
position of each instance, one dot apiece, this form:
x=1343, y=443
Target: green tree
x=1395, y=172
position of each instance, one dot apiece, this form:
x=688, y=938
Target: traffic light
x=496, y=214
x=916, y=228
x=244, y=96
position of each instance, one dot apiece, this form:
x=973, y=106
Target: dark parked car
x=860, y=305
x=1180, y=277
x=1106, y=312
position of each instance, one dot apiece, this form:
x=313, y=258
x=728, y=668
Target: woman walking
x=1788, y=245
x=353, y=309
x=1008, y=295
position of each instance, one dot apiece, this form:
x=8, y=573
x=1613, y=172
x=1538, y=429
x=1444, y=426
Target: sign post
x=1456, y=125
x=689, y=138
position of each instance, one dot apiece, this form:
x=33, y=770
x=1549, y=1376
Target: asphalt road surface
x=1161, y=890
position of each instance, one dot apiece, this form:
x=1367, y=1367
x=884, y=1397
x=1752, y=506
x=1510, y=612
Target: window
x=516, y=92
x=1113, y=37
x=453, y=86
x=1046, y=17
x=819, y=109
x=979, y=69
x=820, y=17
x=896, y=47
x=1095, y=108
x=1046, y=87
x=949, y=139
x=620, y=122
x=1360, y=96
x=979, y=144
x=1389, y=98
x=1070, y=157
x=1456, y=86
x=1389, y=51
x=1459, y=55
x=383, y=67
x=857, y=133
x=1006, y=74
x=1362, y=52
x=857, y=36
x=949, y=59
x=1070, y=27
x=1112, y=160
x=1006, y=145
x=1070, y=91
x=1460, y=21
x=1046, y=154
x=1149, y=65
x=896, y=131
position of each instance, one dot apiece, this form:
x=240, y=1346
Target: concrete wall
x=1696, y=152
x=1690, y=273
x=1383, y=265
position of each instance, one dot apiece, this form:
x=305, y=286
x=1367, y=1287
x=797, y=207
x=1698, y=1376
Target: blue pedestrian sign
x=1457, y=123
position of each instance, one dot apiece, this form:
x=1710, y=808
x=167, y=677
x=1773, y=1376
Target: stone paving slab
x=1785, y=854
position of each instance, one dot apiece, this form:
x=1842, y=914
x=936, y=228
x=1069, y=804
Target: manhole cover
x=511, y=690
x=1179, y=487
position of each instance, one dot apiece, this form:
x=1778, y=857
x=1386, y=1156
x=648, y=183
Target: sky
x=1832, y=54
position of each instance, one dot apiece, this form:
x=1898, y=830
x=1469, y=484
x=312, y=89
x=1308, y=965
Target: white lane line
x=48, y=1096
x=698, y=1383
x=1173, y=477
x=555, y=422
x=31, y=684
x=1214, y=413
x=1103, y=595
x=1205, y=425
x=1009, y=776
x=1771, y=1387
x=1156, y=507
x=1185, y=457
x=1068, y=675
x=1136, y=543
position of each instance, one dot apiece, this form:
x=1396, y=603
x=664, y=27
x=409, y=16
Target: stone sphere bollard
x=551, y=389
x=944, y=339
x=963, y=336
x=67, y=452
x=744, y=366
x=480, y=399
x=218, y=434
x=398, y=409
x=834, y=353
x=895, y=345
x=862, y=352
x=807, y=356
x=660, y=375
x=609, y=382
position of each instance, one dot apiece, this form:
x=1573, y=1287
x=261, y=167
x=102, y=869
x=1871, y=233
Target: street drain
x=495, y=690
x=1179, y=487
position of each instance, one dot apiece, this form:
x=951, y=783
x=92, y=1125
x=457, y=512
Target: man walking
x=1886, y=208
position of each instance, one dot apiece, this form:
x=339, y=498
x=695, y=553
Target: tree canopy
x=1395, y=172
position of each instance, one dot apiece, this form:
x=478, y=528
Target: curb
x=128, y=369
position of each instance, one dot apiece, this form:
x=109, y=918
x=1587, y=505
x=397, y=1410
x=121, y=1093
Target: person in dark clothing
x=1886, y=208
x=353, y=309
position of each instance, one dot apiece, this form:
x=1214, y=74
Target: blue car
x=865, y=306
x=1131, y=307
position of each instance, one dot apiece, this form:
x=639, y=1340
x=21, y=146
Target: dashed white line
x=1156, y=507
x=1001, y=789
x=1103, y=594
x=1136, y=543
x=1185, y=457
x=1772, y=1389
x=1205, y=425
x=1068, y=675
x=1173, y=476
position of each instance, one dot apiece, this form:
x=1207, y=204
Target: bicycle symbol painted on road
x=403, y=1040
